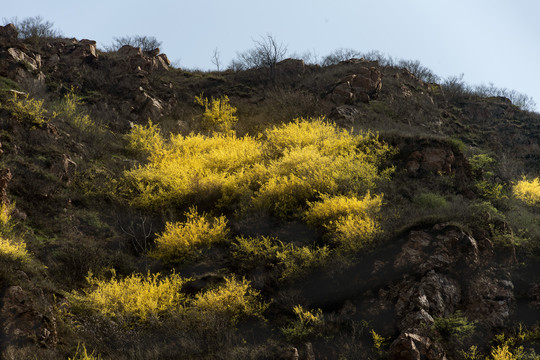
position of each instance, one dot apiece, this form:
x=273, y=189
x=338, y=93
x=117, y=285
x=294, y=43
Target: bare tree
x=420, y=71
x=139, y=232
x=34, y=27
x=146, y=43
x=266, y=54
x=340, y=55
x=215, y=59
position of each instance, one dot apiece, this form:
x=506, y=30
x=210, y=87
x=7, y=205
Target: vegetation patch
x=181, y=240
x=136, y=298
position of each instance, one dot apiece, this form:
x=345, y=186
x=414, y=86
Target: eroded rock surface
x=444, y=270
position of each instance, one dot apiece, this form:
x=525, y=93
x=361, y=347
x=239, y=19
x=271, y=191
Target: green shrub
x=491, y=191
x=182, y=240
x=482, y=162
x=455, y=326
x=307, y=324
x=430, y=201
x=8, y=84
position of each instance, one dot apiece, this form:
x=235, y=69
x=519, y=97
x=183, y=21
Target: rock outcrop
x=24, y=321
x=445, y=270
x=125, y=72
x=362, y=86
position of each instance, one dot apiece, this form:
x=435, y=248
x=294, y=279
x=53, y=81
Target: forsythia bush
x=69, y=108
x=292, y=164
x=26, y=109
x=147, y=138
x=322, y=135
x=14, y=250
x=251, y=252
x=233, y=300
x=218, y=113
x=189, y=169
x=296, y=261
x=528, y=191
x=503, y=352
x=137, y=297
x=307, y=158
x=6, y=225
x=351, y=221
x=292, y=261
x=82, y=354
x=182, y=239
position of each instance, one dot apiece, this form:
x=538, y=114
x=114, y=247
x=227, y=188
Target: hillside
x=356, y=210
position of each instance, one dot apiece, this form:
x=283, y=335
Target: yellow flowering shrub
x=69, y=109
x=349, y=220
x=233, y=300
x=278, y=172
x=528, y=191
x=13, y=250
x=6, y=223
x=181, y=240
x=309, y=158
x=253, y=251
x=503, y=352
x=218, y=113
x=192, y=168
x=147, y=138
x=82, y=354
x=26, y=109
x=331, y=209
x=135, y=298
x=292, y=261
x=319, y=133
x=296, y=261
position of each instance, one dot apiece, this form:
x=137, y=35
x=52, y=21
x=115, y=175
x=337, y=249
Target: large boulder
x=8, y=32
x=410, y=346
x=362, y=86
x=24, y=321
x=134, y=57
x=32, y=62
x=84, y=50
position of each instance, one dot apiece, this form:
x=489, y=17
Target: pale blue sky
x=487, y=40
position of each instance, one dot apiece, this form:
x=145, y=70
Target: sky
x=488, y=41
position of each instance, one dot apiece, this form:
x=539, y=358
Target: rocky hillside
x=346, y=211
